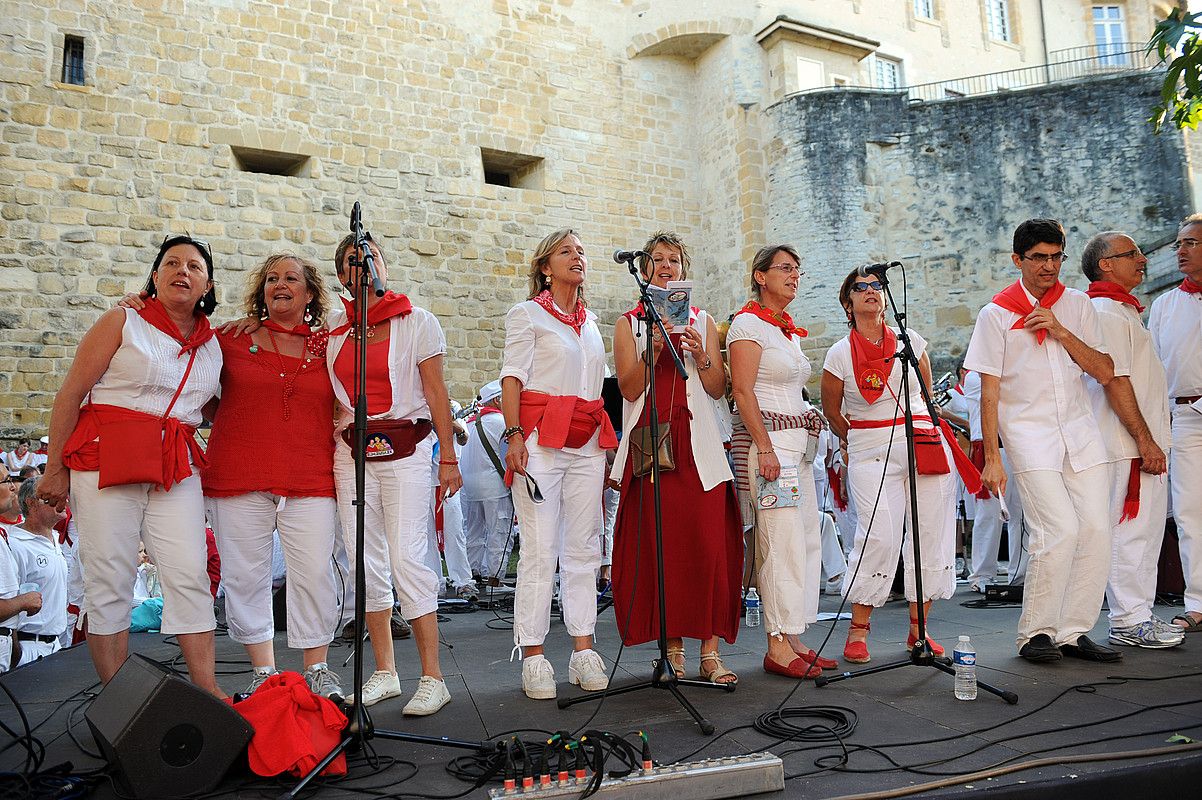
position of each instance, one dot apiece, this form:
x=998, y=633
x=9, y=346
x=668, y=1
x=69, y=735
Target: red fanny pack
x=929, y=457
x=390, y=439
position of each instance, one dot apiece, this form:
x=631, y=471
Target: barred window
x=998, y=17
x=73, y=71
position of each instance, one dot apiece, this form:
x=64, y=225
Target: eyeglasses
x=171, y=240
x=1184, y=244
x=1127, y=254
x=13, y=481
x=788, y=269
x=863, y=286
x=1044, y=258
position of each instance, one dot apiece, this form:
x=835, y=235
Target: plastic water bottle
x=752, y=603
x=965, y=659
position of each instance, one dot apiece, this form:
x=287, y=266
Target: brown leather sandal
x=715, y=675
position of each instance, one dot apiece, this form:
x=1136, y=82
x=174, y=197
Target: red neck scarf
x=872, y=363
x=575, y=320
x=389, y=306
x=300, y=330
x=1014, y=298
x=1114, y=292
x=781, y=320
x=1189, y=286
x=156, y=315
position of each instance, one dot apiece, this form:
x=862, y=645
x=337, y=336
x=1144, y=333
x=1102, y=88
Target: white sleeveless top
x=147, y=368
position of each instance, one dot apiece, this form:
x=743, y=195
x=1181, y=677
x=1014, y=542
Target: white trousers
x=609, y=511
x=788, y=554
x=497, y=534
x=243, y=527
x=32, y=651
x=1185, y=480
x=454, y=541
x=1135, y=546
x=987, y=533
x=475, y=534
x=397, y=502
x=566, y=527
x=171, y=524
x=873, y=559
x=834, y=563
x=1068, y=520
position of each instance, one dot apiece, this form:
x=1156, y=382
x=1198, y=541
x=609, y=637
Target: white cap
x=45, y=440
x=490, y=391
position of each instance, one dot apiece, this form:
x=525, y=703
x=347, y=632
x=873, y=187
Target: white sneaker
x=587, y=670
x=538, y=678
x=380, y=686
x=430, y=696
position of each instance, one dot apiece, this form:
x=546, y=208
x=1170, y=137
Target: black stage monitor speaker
x=165, y=736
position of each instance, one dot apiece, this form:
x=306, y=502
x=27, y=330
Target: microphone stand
x=663, y=675
x=359, y=729
x=921, y=654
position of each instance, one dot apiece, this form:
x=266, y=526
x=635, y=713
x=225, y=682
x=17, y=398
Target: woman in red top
x=702, y=532
x=271, y=467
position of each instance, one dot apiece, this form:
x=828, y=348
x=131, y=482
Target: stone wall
x=861, y=176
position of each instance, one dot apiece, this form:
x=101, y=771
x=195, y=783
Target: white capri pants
x=873, y=559
x=172, y=525
x=565, y=527
x=1068, y=521
x=1185, y=481
x=1135, y=546
x=243, y=527
x=788, y=552
x=397, y=502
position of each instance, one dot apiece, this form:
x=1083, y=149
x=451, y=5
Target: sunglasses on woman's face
x=863, y=286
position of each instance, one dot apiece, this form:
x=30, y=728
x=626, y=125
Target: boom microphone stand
x=359, y=728
x=921, y=654
x=663, y=675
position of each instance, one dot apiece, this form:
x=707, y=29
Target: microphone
x=877, y=270
x=625, y=256
x=356, y=218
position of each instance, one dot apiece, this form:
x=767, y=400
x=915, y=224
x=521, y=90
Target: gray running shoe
x=259, y=678
x=1144, y=634
x=322, y=680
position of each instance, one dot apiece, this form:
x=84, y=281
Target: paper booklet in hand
x=784, y=492
x=672, y=303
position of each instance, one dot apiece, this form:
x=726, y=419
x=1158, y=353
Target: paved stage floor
x=908, y=715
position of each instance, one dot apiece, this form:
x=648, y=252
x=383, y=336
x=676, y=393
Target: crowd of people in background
x=1071, y=413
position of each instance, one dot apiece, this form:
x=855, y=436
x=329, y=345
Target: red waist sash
x=968, y=473
x=565, y=421
x=82, y=450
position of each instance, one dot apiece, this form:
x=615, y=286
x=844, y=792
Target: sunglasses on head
x=863, y=286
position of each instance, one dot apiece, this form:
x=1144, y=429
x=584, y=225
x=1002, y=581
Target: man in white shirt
x=1032, y=345
x=12, y=600
x=486, y=498
x=1138, y=496
x=1176, y=326
x=39, y=562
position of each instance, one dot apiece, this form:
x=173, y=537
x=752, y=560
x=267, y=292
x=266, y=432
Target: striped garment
x=740, y=450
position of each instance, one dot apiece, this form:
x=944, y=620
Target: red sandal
x=857, y=652
x=912, y=639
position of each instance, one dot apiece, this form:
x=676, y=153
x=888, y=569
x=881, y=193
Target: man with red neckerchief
x=1138, y=488
x=1032, y=345
x=1176, y=325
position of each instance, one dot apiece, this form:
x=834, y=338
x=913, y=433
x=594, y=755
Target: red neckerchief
x=488, y=410
x=781, y=320
x=575, y=320
x=1114, y=292
x=389, y=306
x=315, y=341
x=18, y=521
x=1014, y=298
x=63, y=527
x=1189, y=286
x=959, y=388
x=156, y=315
x=872, y=363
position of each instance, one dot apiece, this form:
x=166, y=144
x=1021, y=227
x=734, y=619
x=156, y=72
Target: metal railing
x=1118, y=53
x=1103, y=61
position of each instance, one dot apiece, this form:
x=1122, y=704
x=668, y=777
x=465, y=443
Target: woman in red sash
x=558, y=431
x=129, y=460
x=861, y=388
x=406, y=399
x=702, y=532
x=775, y=435
x=276, y=411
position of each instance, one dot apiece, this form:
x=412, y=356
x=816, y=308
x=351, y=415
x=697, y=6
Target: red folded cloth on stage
x=294, y=728
x=1014, y=298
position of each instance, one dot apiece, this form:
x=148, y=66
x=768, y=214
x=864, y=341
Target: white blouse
x=782, y=374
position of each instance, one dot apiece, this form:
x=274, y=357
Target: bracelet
x=766, y=452
x=709, y=362
x=509, y=433
x=443, y=463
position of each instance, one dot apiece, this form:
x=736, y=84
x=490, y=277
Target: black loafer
x=1089, y=650
x=1040, y=649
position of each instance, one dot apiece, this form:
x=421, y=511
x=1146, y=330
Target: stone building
x=470, y=128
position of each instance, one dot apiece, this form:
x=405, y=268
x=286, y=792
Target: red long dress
x=703, y=537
